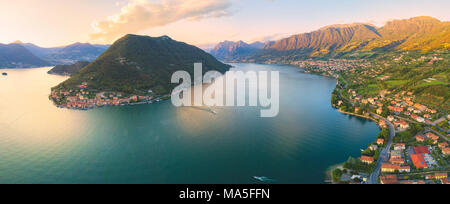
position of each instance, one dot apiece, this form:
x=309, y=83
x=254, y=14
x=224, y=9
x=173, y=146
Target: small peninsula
x=68, y=70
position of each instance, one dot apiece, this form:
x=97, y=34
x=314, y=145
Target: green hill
x=68, y=69
x=137, y=63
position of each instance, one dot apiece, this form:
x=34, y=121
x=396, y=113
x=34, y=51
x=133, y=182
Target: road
x=384, y=154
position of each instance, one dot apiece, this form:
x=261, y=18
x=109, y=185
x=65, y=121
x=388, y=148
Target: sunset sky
x=51, y=23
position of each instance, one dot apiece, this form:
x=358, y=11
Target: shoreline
x=330, y=169
x=360, y=116
x=109, y=105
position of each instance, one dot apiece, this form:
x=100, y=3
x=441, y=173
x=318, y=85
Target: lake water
x=158, y=143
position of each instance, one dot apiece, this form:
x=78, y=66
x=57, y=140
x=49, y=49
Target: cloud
x=140, y=15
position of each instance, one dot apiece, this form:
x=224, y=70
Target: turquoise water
x=159, y=143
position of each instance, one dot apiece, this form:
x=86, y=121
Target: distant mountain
x=327, y=38
x=75, y=52
x=229, y=51
x=68, y=70
x=66, y=54
x=419, y=33
x=16, y=56
x=139, y=63
x=39, y=51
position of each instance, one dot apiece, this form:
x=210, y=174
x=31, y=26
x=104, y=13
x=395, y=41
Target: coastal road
x=384, y=154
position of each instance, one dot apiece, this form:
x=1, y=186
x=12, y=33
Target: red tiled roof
x=397, y=161
x=419, y=161
x=446, y=151
x=389, y=179
x=421, y=150
x=394, y=166
x=366, y=158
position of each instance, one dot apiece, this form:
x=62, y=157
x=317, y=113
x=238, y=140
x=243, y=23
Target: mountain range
x=139, y=63
x=26, y=55
x=353, y=40
x=15, y=55
x=67, y=54
x=229, y=50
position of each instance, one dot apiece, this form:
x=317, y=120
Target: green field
x=397, y=82
x=371, y=89
x=432, y=83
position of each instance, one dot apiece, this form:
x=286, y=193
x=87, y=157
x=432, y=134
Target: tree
x=337, y=174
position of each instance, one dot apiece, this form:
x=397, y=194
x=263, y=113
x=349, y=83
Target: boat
x=263, y=179
x=211, y=110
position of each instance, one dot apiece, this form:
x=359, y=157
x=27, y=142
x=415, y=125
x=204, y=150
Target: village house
x=399, y=146
x=373, y=147
x=446, y=151
x=389, y=179
x=420, y=107
x=380, y=141
x=391, y=168
x=437, y=176
x=395, y=109
x=443, y=145
x=379, y=111
x=383, y=124
x=432, y=136
x=391, y=118
x=399, y=161
x=367, y=160
x=420, y=138
x=402, y=124
x=396, y=154
x=417, y=118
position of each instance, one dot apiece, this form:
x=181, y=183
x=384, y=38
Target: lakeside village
x=84, y=98
x=419, y=153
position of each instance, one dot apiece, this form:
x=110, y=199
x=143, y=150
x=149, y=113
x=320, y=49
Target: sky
x=51, y=23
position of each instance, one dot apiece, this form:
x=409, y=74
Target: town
x=83, y=98
x=413, y=145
